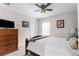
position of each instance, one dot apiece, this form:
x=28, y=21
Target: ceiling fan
x=43, y=7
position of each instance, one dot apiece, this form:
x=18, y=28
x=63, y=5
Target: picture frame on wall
x=60, y=23
x=25, y=24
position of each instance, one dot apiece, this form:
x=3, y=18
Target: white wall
x=33, y=27
x=70, y=21
x=17, y=18
x=78, y=29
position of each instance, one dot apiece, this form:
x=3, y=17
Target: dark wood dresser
x=8, y=41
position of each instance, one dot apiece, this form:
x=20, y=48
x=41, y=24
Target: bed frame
x=26, y=50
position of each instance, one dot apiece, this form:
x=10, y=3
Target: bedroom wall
x=70, y=21
x=33, y=27
x=8, y=14
x=78, y=29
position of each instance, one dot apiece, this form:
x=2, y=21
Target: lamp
x=74, y=32
x=74, y=38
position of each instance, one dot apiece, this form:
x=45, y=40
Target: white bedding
x=50, y=46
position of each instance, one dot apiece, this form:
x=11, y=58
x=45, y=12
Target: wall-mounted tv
x=6, y=23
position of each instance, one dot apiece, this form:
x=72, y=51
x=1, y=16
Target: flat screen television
x=6, y=24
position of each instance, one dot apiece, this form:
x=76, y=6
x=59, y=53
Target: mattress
x=50, y=46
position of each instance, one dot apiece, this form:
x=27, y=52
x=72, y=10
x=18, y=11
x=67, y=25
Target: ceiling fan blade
x=48, y=4
x=37, y=5
x=49, y=9
x=7, y=4
x=37, y=10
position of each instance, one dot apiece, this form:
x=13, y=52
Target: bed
x=49, y=46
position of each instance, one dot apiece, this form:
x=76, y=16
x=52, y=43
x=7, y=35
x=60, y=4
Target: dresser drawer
x=2, y=43
x=3, y=31
x=8, y=42
x=7, y=31
x=2, y=51
x=11, y=47
x=13, y=36
x=2, y=48
x=5, y=37
x=11, y=30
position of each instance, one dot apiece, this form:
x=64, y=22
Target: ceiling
x=29, y=9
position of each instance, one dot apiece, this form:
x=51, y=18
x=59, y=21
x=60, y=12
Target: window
x=46, y=28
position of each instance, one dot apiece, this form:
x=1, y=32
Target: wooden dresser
x=8, y=41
